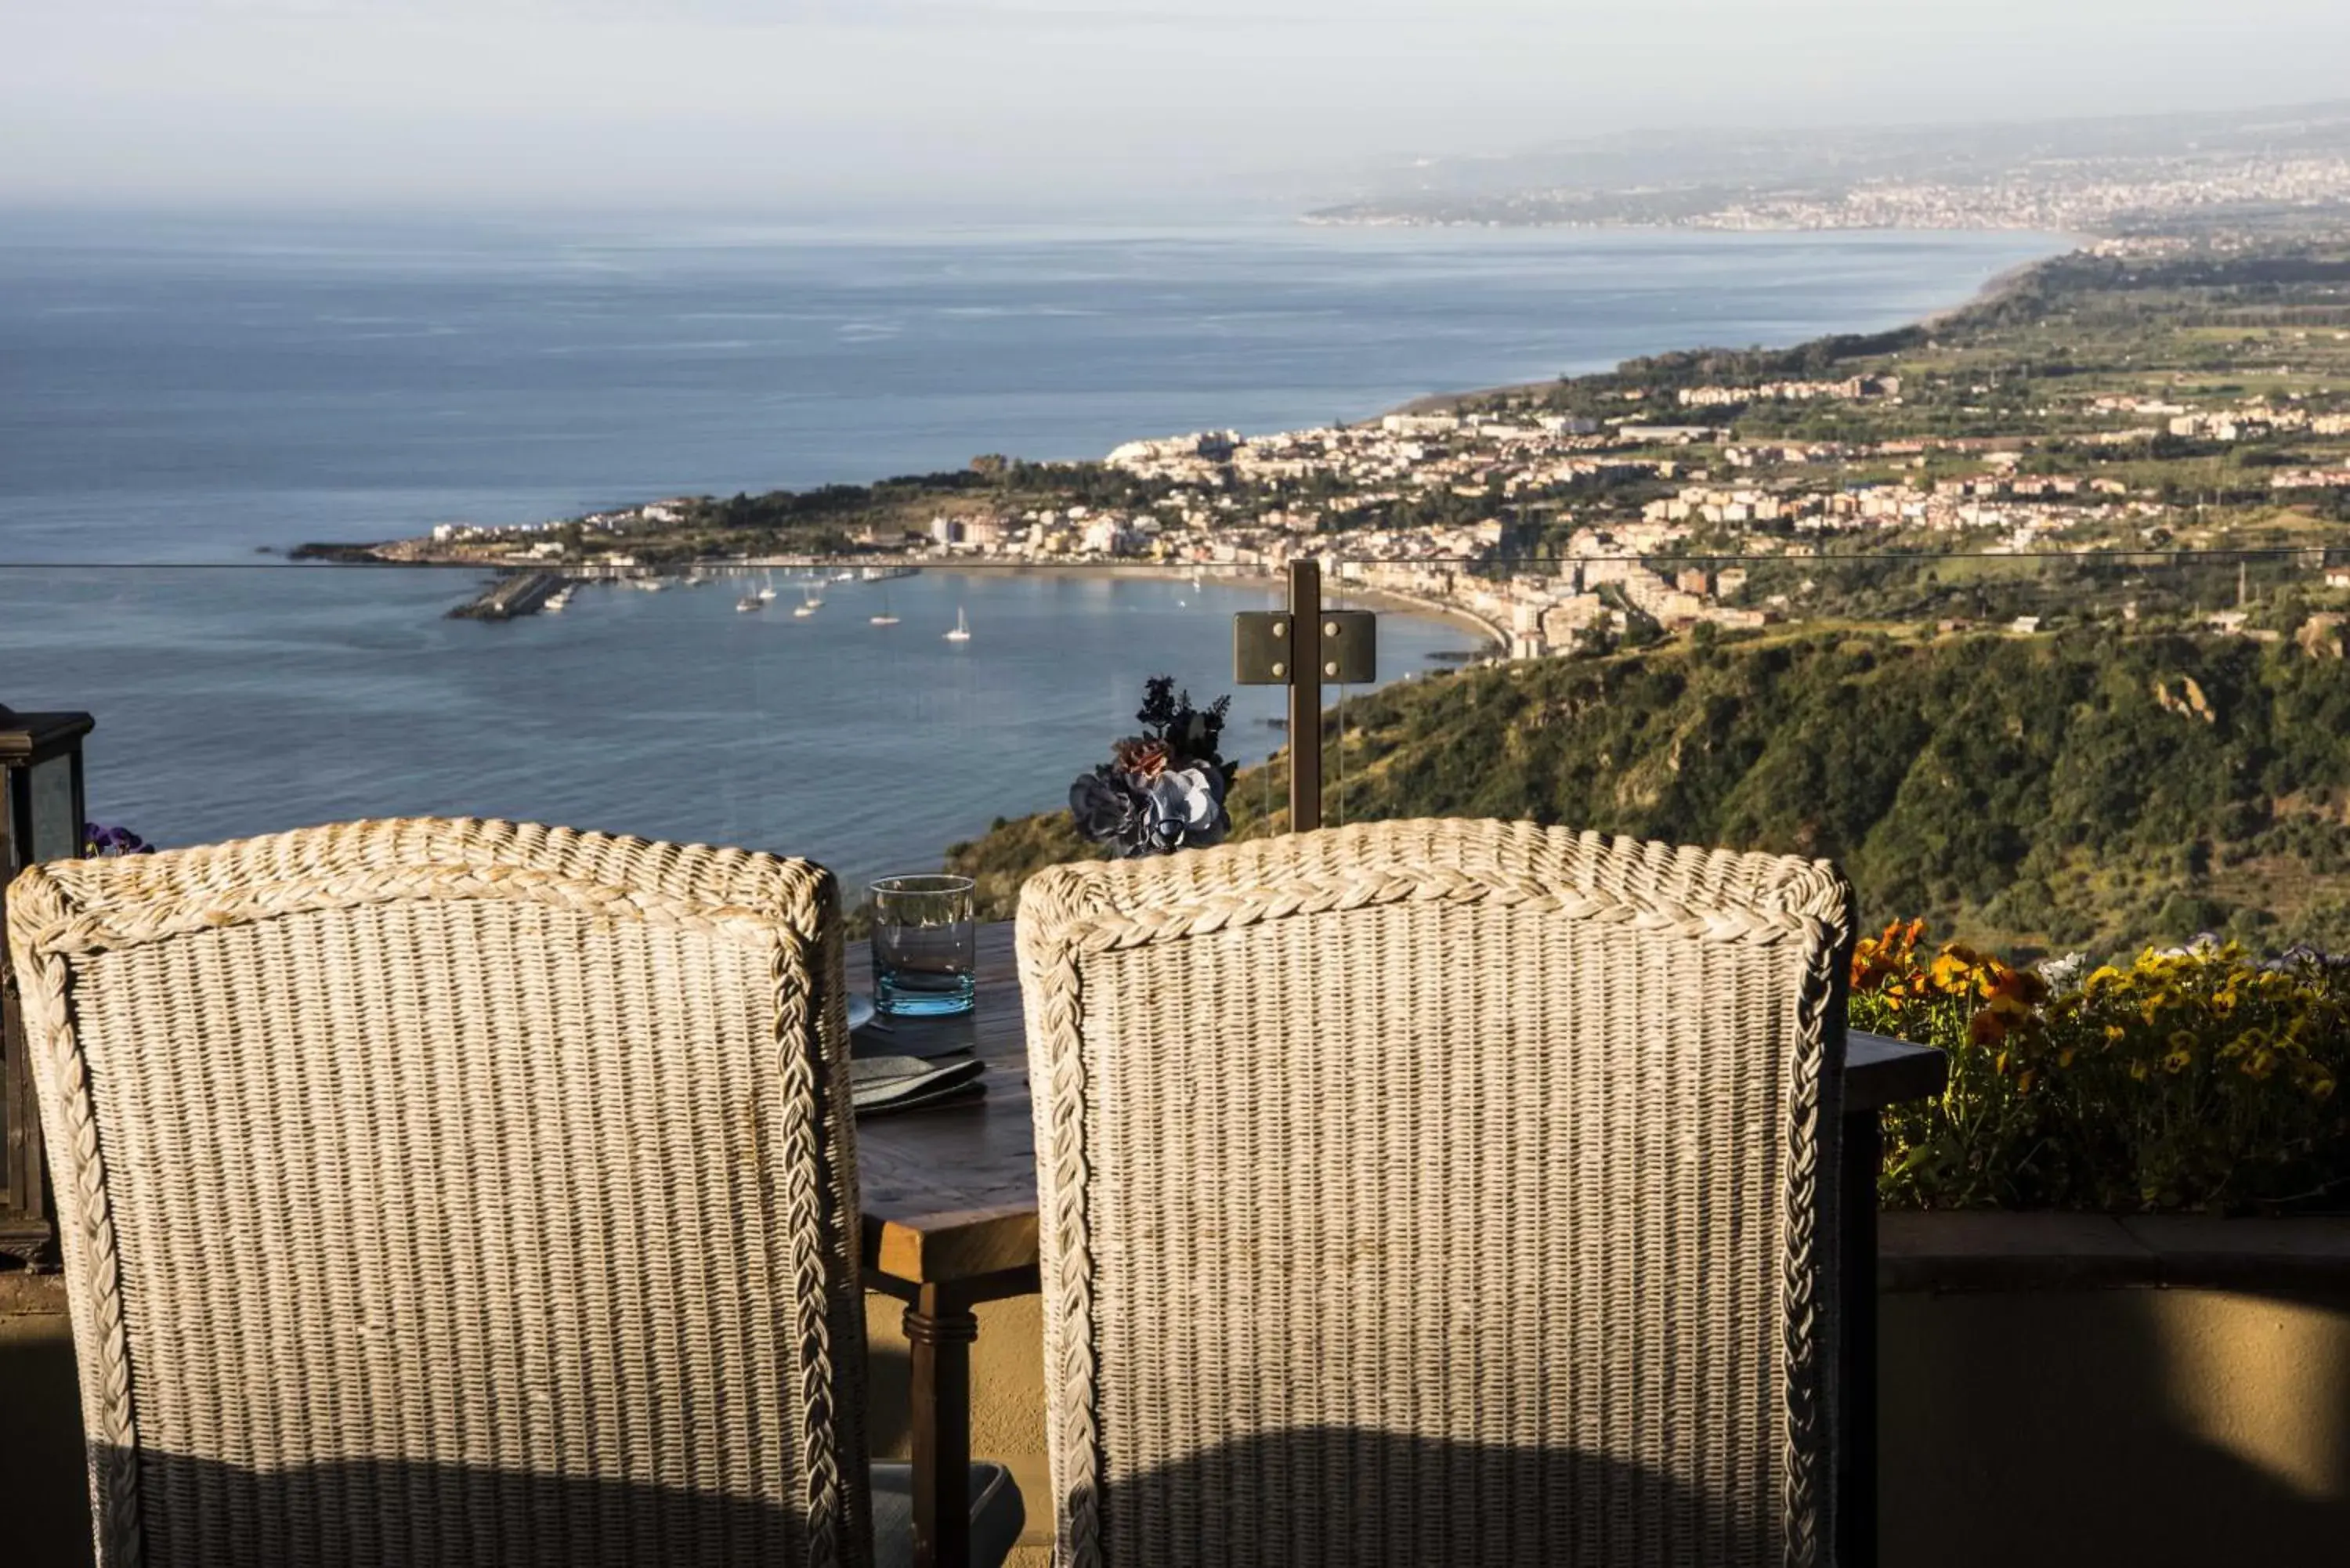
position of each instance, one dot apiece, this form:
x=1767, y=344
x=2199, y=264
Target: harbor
x=521, y=594
x=514, y=594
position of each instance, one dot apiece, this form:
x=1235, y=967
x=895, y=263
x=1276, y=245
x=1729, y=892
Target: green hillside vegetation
x=2088, y=791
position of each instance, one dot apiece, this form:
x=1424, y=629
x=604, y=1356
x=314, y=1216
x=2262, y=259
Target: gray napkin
x=905, y=1082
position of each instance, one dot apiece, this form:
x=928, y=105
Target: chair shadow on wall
x=46, y=1484
x=48, y=1524
x=2059, y=1427
x=335, y=1513
x=1345, y=1495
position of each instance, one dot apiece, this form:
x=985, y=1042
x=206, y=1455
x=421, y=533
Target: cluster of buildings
x=1422, y=450
x=2310, y=479
x=551, y=541
x=2022, y=507
x=2252, y=419
x=2255, y=421
x=1219, y=499
x=1851, y=389
x=2072, y=196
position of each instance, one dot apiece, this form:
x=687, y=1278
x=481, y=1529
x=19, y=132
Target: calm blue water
x=179, y=393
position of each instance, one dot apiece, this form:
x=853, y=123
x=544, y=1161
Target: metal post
x=1305, y=696
x=1300, y=647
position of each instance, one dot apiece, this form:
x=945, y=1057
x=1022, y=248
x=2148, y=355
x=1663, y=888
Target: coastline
x=2002, y=282
x=1432, y=610
x=1338, y=590
x=1496, y=638
x=1997, y=286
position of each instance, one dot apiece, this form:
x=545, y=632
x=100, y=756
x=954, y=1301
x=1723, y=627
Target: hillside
x=2087, y=791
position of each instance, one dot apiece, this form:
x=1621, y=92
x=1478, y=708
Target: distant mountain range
x=2147, y=173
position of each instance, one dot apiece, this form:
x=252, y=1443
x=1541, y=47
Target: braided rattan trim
x=1809, y=1289
x=68, y=910
x=125, y=903
x=1070, y=912
x=86, y=1225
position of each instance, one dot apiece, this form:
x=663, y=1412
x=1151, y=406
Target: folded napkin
x=906, y=1083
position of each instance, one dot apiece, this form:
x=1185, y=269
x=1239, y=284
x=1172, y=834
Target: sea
x=184, y=398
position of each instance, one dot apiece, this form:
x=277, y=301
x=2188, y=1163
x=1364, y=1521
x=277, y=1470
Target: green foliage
x=2039, y=793
x=1007, y=855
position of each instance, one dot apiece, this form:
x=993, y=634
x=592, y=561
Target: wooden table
x=950, y=1198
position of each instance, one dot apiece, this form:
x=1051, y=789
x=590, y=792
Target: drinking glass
x=925, y=950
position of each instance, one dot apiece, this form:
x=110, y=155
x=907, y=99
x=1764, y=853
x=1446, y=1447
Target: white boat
x=885, y=618
x=844, y=575
x=749, y=603
x=769, y=592
x=961, y=632
x=810, y=602
x=555, y=601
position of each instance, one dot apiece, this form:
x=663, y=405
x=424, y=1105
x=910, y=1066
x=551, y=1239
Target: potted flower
x=1164, y=789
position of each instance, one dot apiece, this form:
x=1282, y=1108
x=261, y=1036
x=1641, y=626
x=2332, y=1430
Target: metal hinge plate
x=1349, y=648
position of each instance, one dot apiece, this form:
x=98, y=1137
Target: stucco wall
x=2208, y=1427
x=2147, y=1426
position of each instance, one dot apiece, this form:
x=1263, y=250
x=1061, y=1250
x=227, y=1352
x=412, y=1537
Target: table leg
x=1864, y=1157
x=939, y=1329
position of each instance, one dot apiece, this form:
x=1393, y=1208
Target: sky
x=770, y=105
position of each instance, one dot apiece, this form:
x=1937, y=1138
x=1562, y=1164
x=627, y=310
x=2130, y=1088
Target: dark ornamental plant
x=1164, y=789
x=105, y=843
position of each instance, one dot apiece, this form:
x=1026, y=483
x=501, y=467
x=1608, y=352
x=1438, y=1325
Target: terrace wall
x=2057, y=1390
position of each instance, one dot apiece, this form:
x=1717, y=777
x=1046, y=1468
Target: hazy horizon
x=804, y=105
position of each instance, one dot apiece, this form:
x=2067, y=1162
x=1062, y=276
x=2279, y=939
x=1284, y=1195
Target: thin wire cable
x=1272, y=602
x=1338, y=779
x=2310, y=553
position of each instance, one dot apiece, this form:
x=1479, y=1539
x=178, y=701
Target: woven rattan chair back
x=1437, y=1192
x=453, y=1193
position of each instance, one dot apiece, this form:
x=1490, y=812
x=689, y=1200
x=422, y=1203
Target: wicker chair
x=1438, y=1192
x=459, y=1192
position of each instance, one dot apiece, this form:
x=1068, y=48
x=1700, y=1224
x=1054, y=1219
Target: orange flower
x=1951, y=971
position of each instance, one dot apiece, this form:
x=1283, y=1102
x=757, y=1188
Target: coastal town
x=2224, y=177
x=1599, y=511
x=2073, y=196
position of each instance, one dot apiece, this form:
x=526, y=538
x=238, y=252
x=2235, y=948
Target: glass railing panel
x=2048, y=749
x=824, y=711
x=2048, y=752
